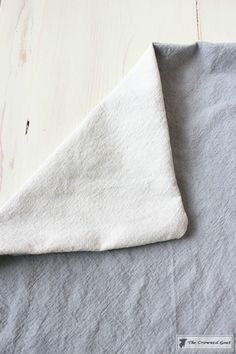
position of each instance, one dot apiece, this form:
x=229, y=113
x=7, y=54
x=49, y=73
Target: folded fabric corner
x=111, y=184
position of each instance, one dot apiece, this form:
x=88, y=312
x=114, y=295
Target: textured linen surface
x=136, y=300
x=109, y=185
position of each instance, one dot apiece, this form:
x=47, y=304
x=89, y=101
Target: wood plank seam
x=199, y=34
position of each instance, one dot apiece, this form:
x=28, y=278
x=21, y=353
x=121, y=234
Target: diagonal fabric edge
x=111, y=184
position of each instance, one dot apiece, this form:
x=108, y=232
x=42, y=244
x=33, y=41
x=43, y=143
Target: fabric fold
x=110, y=185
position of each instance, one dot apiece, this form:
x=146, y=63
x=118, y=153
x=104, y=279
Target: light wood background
x=58, y=58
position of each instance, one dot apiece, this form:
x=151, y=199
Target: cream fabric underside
x=111, y=184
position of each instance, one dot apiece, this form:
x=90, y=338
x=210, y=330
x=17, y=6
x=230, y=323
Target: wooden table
x=60, y=57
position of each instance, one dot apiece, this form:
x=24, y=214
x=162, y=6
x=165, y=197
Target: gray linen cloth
x=137, y=300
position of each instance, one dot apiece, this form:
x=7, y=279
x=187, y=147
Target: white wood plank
x=217, y=20
x=58, y=58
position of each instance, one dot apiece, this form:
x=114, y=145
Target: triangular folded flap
x=111, y=184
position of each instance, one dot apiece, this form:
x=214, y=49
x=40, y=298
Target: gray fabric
x=137, y=300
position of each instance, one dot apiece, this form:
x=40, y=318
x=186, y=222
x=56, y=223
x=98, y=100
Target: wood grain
x=59, y=58
x=217, y=20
